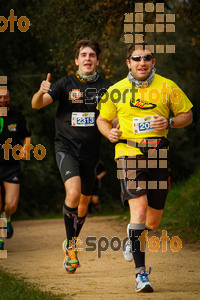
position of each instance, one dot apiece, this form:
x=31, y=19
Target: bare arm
x=27, y=140
x=23, y=152
x=101, y=175
x=42, y=98
x=105, y=127
x=183, y=119
x=180, y=121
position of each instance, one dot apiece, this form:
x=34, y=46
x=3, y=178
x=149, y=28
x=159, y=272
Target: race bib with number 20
x=143, y=124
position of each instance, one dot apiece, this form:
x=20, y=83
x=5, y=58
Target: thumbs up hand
x=48, y=77
x=115, y=134
x=46, y=84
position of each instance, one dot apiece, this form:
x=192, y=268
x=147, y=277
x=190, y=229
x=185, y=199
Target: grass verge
x=14, y=288
x=182, y=209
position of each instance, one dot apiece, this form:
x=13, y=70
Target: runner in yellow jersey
x=143, y=102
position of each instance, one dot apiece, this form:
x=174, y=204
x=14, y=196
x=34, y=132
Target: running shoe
x=9, y=226
x=1, y=244
x=71, y=262
x=143, y=285
x=128, y=255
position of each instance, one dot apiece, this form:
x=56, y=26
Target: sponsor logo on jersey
x=67, y=172
x=75, y=96
x=12, y=127
x=142, y=105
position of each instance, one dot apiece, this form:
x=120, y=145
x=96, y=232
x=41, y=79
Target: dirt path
x=35, y=254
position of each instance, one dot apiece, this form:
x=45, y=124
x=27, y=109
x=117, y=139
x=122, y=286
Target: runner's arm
x=181, y=120
x=42, y=98
x=26, y=142
x=105, y=127
x=101, y=175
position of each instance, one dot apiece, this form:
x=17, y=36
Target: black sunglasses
x=147, y=57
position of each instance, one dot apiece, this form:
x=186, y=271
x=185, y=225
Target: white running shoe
x=128, y=255
x=143, y=285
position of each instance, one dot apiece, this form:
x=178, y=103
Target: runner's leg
x=11, y=198
x=82, y=212
x=11, y=201
x=70, y=208
x=87, y=171
x=138, y=209
x=153, y=217
x=95, y=201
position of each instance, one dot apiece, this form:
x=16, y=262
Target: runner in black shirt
x=77, y=139
x=12, y=130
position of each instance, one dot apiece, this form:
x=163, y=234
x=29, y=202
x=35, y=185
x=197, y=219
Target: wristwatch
x=170, y=123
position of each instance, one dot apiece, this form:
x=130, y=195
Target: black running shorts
x=10, y=172
x=69, y=166
x=139, y=176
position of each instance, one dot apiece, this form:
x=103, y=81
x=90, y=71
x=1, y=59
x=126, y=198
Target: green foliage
x=182, y=210
x=13, y=288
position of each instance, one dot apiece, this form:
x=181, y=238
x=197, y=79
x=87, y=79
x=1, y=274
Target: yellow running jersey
x=135, y=108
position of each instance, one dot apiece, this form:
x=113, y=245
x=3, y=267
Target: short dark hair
x=133, y=47
x=87, y=43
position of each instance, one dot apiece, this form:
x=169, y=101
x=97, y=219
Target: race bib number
x=142, y=124
x=83, y=119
